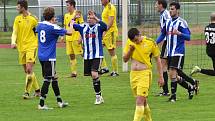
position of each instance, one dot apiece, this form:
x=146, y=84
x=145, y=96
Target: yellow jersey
x=24, y=30
x=67, y=18
x=110, y=10
x=143, y=51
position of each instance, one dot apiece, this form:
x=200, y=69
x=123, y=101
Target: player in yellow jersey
x=73, y=47
x=24, y=38
x=110, y=36
x=140, y=50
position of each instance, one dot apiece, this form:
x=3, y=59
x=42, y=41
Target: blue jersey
x=175, y=43
x=92, y=39
x=48, y=34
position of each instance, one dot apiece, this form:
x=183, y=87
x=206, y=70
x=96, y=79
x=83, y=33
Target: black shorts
x=176, y=62
x=163, y=50
x=91, y=65
x=48, y=69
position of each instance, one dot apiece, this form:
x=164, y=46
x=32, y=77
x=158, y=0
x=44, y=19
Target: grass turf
x=119, y=103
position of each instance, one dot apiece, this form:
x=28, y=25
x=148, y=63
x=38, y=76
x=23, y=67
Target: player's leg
x=28, y=84
x=104, y=69
x=114, y=62
x=140, y=81
x=47, y=72
x=165, y=69
x=183, y=77
x=172, y=65
x=77, y=50
x=165, y=76
x=139, y=111
x=110, y=44
x=172, y=75
x=73, y=61
x=209, y=71
x=55, y=87
x=96, y=81
x=35, y=85
x=28, y=80
x=31, y=58
x=147, y=112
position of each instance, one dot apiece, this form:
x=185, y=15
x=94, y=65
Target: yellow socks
x=73, y=66
x=147, y=113
x=139, y=113
x=35, y=82
x=104, y=64
x=114, y=63
x=28, y=83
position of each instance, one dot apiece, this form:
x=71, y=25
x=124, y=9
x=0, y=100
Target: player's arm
x=110, y=22
x=78, y=17
x=160, y=71
x=112, y=13
x=156, y=55
x=70, y=30
x=14, y=35
x=161, y=36
x=64, y=25
x=103, y=25
x=182, y=32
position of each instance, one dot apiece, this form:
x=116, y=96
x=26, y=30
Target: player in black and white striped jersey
x=161, y=6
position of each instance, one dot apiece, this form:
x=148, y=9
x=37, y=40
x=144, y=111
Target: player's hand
x=13, y=46
x=175, y=31
x=160, y=82
x=77, y=14
x=79, y=41
x=62, y=39
x=132, y=48
x=103, y=34
x=71, y=23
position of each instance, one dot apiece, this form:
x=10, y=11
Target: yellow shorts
x=72, y=47
x=109, y=40
x=27, y=56
x=140, y=82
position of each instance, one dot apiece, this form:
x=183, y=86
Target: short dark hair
x=176, y=4
x=212, y=16
x=48, y=13
x=23, y=3
x=132, y=33
x=71, y=2
x=163, y=3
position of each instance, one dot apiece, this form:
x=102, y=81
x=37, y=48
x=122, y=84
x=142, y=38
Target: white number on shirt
x=210, y=37
x=42, y=36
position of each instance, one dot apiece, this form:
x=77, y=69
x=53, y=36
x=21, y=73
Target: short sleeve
x=155, y=50
x=127, y=46
x=15, y=24
x=112, y=10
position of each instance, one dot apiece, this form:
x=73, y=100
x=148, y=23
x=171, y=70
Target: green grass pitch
x=119, y=103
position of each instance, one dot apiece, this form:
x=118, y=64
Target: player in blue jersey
x=161, y=6
x=48, y=33
x=91, y=33
x=176, y=32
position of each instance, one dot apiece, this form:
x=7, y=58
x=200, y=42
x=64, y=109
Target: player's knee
x=28, y=70
x=140, y=100
x=94, y=74
x=112, y=52
x=72, y=56
x=47, y=79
